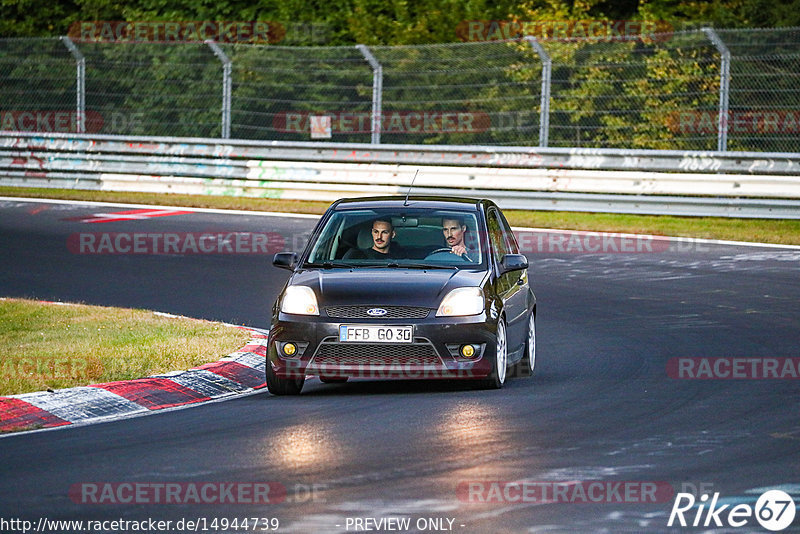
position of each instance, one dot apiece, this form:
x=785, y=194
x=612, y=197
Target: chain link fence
x=691, y=90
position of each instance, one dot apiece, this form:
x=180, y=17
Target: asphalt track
x=600, y=407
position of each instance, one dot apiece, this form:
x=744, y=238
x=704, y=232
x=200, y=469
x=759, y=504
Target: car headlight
x=299, y=300
x=461, y=301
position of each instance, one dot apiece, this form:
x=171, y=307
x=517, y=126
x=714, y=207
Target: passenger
x=382, y=245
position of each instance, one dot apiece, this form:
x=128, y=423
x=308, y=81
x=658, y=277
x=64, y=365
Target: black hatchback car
x=394, y=287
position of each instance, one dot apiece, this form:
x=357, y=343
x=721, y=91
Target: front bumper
x=433, y=354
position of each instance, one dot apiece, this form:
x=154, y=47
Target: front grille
x=392, y=312
x=367, y=354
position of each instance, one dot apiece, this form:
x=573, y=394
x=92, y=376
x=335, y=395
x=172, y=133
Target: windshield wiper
x=390, y=265
x=330, y=264
x=396, y=265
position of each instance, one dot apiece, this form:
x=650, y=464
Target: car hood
x=385, y=286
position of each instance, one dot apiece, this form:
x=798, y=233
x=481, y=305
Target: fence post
x=226, y=87
x=724, y=87
x=544, y=107
x=80, y=82
x=377, y=92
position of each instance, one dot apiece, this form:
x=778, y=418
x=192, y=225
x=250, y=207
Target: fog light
x=467, y=351
x=289, y=349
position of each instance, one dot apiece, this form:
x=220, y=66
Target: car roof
x=414, y=201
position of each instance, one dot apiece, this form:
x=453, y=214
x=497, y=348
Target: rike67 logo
x=774, y=510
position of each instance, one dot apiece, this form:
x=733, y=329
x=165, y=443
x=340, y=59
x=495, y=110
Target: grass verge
x=168, y=199
x=52, y=346
x=761, y=230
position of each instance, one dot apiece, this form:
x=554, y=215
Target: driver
x=454, y=230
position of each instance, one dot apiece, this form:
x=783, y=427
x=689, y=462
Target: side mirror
x=285, y=260
x=513, y=262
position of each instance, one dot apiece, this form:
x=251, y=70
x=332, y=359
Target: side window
x=508, y=234
x=496, y=234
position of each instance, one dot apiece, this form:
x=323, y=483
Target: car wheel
x=528, y=361
x=333, y=379
x=283, y=386
x=497, y=378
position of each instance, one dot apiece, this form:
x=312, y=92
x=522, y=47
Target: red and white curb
x=239, y=373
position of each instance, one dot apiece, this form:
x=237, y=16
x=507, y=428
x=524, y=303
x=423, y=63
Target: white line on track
x=657, y=237
x=149, y=206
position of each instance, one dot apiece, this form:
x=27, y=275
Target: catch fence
x=713, y=90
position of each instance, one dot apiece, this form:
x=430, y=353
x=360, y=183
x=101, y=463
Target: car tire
x=524, y=367
x=497, y=377
x=333, y=379
x=283, y=386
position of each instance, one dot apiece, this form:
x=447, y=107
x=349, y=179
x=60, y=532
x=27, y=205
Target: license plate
x=354, y=333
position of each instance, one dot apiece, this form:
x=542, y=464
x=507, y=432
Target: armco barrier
x=623, y=181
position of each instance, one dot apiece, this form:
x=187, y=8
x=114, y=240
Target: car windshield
x=410, y=238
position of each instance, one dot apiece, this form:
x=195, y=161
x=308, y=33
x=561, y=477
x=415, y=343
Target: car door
x=511, y=286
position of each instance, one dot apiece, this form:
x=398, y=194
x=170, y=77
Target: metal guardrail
x=478, y=156
x=600, y=180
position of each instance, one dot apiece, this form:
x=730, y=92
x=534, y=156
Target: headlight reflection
x=302, y=446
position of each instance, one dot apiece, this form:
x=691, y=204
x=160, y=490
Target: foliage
x=389, y=22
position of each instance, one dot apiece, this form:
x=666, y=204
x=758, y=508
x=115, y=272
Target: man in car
x=382, y=235
x=454, y=230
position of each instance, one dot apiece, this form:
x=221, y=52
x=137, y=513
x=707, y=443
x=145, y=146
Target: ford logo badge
x=376, y=312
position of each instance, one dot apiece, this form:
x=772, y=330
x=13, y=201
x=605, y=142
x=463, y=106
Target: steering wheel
x=446, y=250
